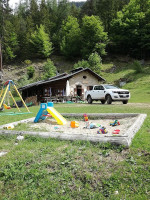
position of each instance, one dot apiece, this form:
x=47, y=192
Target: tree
x=130, y=30
x=8, y=37
x=30, y=71
x=59, y=13
x=34, y=12
x=81, y=63
x=40, y=43
x=70, y=37
x=10, y=42
x=94, y=62
x=45, y=16
x=74, y=11
x=105, y=9
x=49, y=69
x=93, y=36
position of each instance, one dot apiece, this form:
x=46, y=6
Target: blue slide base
x=41, y=112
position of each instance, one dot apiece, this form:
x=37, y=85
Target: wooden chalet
x=62, y=87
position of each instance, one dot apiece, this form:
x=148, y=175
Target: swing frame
x=8, y=85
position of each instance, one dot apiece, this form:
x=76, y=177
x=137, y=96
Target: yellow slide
x=59, y=118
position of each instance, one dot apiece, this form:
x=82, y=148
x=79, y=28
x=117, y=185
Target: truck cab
x=107, y=93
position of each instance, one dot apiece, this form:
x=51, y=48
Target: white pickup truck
x=107, y=93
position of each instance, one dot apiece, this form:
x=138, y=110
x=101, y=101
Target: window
x=84, y=77
x=90, y=87
x=98, y=87
x=101, y=87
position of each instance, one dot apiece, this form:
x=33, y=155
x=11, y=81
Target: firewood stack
x=32, y=99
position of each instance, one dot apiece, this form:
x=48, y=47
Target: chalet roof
x=61, y=77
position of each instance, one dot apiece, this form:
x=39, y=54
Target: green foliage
x=137, y=66
x=82, y=63
x=23, y=81
x=74, y=31
x=93, y=36
x=30, y=71
x=10, y=42
x=130, y=28
x=28, y=62
x=70, y=37
x=105, y=9
x=45, y=16
x=40, y=42
x=49, y=69
x=93, y=62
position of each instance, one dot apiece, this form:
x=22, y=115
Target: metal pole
x=21, y=98
x=14, y=100
x=4, y=96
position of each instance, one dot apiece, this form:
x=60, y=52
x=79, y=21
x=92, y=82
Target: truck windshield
x=110, y=87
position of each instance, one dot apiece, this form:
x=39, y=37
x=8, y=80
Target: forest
x=38, y=29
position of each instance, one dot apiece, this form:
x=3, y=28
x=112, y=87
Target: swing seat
x=6, y=107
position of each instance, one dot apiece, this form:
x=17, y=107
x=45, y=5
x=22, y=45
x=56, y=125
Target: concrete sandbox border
x=124, y=139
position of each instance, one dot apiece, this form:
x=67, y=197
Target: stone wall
x=84, y=79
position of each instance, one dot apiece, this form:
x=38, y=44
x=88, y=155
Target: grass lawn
x=40, y=168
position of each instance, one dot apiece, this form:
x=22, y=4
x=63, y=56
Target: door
x=98, y=92
x=79, y=90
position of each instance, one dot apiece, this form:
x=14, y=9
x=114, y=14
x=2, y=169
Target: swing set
x=6, y=91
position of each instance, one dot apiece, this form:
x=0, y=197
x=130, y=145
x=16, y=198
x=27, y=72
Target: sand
x=50, y=125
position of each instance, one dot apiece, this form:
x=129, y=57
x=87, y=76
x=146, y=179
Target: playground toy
x=115, y=123
x=47, y=109
x=9, y=127
x=6, y=107
x=85, y=117
x=102, y=130
x=93, y=125
x=6, y=91
x=48, y=115
x=116, y=131
x=74, y=124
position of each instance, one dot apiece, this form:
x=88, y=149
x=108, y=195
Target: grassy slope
x=137, y=83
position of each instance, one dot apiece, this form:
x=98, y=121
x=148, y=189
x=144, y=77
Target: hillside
x=113, y=70
x=137, y=83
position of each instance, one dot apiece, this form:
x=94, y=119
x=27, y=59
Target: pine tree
x=40, y=43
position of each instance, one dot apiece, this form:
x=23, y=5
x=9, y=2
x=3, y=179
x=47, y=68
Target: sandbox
x=129, y=125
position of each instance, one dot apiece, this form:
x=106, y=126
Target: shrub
x=49, y=69
x=137, y=66
x=30, y=71
x=28, y=62
x=95, y=62
x=82, y=63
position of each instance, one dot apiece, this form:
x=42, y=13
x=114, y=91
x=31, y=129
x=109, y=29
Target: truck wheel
x=103, y=101
x=89, y=99
x=125, y=102
x=108, y=99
